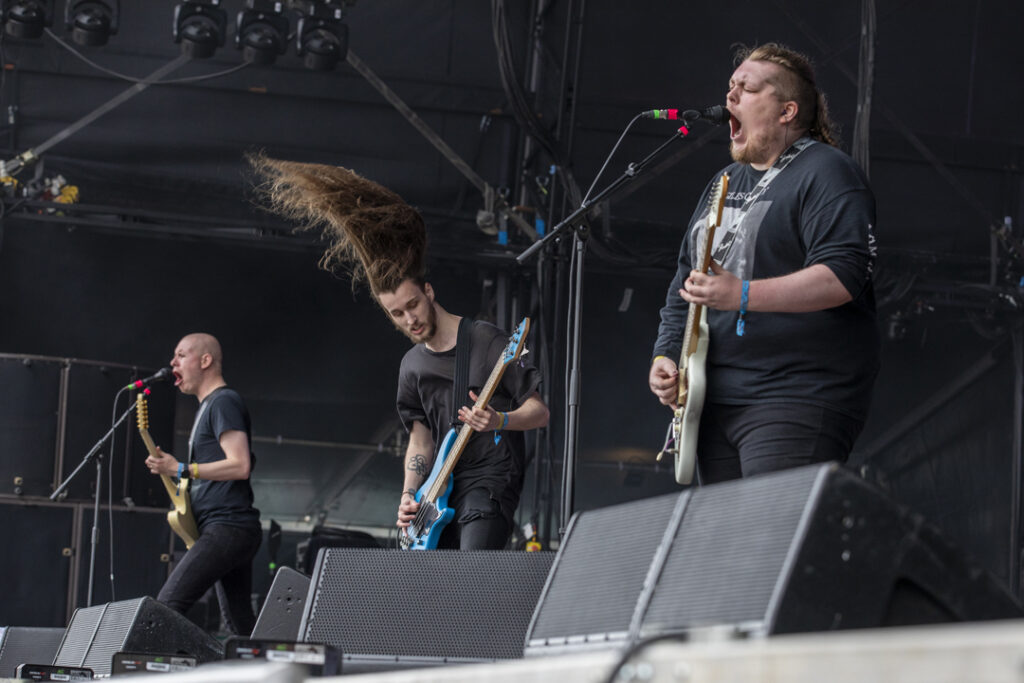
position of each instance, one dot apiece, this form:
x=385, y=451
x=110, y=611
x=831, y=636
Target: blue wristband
x=181, y=469
x=504, y=423
x=744, y=299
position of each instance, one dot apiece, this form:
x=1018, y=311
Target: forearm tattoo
x=418, y=464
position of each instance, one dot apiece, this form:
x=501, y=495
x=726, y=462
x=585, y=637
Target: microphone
x=716, y=114
x=161, y=375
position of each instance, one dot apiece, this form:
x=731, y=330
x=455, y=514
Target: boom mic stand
x=94, y=454
x=576, y=222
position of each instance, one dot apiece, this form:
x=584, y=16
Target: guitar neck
x=148, y=440
x=441, y=482
x=171, y=487
x=692, y=332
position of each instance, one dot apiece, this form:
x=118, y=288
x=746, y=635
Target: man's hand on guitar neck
x=719, y=289
x=485, y=419
x=664, y=380
x=162, y=463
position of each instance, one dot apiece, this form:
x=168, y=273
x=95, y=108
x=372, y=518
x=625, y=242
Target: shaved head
x=203, y=343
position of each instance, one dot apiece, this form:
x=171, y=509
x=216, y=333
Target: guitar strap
x=463, y=344
x=729, y=237
x=199, y=416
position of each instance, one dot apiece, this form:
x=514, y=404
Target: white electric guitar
x=681, y=440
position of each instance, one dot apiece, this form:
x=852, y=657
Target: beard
x=429, y=328
x=757, y=150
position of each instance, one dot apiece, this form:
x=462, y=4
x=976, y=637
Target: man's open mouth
x=734, y=126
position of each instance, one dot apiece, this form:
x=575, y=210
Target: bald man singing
x=219, y=463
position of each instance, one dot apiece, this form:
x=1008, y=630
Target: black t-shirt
x=221, y=502
x=819, y=209
x=424, y=395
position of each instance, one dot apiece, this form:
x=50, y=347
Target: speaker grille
x=455, y=604
x=27, y=645
x=730, y=552
x=115, y=625
x=598, y=578
x=78, y=637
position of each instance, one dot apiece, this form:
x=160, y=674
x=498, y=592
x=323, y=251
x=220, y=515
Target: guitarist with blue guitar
x=459, y=491
x=477, y=512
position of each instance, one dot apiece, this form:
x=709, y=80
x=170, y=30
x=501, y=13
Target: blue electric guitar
x=434, y=514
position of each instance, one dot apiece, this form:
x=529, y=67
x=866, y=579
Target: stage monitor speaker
x=809, y=549
x=142, y=625
x=27, y=645
x=282, y=611
x=398, y=608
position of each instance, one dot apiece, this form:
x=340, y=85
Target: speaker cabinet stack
x=810, y=549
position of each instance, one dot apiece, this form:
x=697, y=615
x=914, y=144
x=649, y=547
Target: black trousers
x=740, y=441
x=479, y=524
x=222, y=557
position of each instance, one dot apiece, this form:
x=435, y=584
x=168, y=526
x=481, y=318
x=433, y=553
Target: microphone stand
x=93, y=454
x=575, y=222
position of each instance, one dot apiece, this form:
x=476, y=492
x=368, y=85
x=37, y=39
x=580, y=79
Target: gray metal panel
x=600, y=572
x=461, y=604
x=730, y=551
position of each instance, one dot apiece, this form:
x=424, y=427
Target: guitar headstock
x=142, y=412
x=716, y=201
x=516, y=343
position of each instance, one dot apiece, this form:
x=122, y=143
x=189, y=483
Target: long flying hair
x=373, y=235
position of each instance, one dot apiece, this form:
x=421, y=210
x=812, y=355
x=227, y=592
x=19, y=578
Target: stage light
x=262, y=32
x=200, y=27
x=91, y=22
x=27, y=18
x=322, y=40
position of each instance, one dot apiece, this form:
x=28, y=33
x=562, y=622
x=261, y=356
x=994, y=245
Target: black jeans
x=740, y=441
x=222, y=557
x=478, y=524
